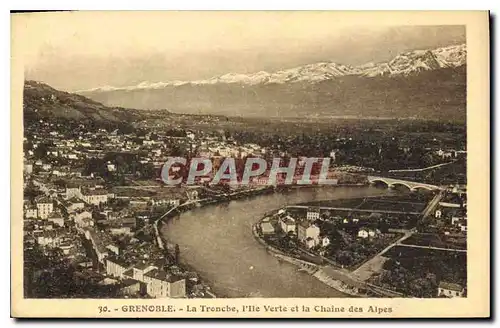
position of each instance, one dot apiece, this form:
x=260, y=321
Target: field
x=436, y=240
x=448, y=174
x=347, y=203
x=417, y=272
x=391, y=205
x=405, y=203
x=133, y=192
x=144, y=183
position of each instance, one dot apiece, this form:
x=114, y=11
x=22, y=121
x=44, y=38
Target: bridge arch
x=380, y=181
x=423, y=187
x=412, y=185
x=402, y=184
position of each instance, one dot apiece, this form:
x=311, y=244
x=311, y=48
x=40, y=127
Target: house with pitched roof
x=448, y=289
x=161, y=284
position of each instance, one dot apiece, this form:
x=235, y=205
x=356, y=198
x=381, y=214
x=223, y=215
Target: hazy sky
x=76, y=51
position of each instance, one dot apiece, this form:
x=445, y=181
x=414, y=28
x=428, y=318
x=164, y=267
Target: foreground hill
x=43, y=101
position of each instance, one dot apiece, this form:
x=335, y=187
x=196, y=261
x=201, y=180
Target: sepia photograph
x=222, y=164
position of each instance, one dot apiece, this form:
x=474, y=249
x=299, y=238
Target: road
x=432, y=204
x=422, y=169
x=436, y=248
x=136, y=186
x=356, y=210
x=373, y=265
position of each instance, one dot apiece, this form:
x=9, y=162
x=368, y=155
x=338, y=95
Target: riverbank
x=313, y=269
x=163, y=243
x=336, y=278
x=217, y=242
x=187, y=267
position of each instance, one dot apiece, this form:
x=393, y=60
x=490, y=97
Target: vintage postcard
x=281, y=164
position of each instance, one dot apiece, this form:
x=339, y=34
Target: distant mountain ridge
x=419, y=84
x=406, y=63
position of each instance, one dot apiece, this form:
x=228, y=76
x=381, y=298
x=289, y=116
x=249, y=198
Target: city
x=96, y=208
x=277, y=156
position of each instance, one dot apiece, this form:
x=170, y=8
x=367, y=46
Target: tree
x=344, y=258
x=383, y=226
x=147, y=171
x=60, y=183
x=177, y=151
x=421, y=288
x=31, y=192
x=427, y=160
x=94, y=165
x=41, y=151
x=177, y=253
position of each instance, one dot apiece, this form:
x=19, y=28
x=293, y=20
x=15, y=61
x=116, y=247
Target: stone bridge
x=412, y=185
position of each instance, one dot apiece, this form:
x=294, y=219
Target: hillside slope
x=43, y=101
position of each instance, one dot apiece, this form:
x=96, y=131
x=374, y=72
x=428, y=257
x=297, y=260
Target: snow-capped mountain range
x=406, y=64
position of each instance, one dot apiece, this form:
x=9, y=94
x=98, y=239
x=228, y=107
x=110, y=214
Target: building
x=31, y=212
x=101, y=251
x=313, y=213
x=84, y=223
x=365, y=233
x=159, y=284
x=130, y=287
x=28, y=168
x=67, y=248
x=56, y=218
x=83, y=219
x=325, y=241
x=162, y=285
x=159, y=201
x=287, y=224
x=463, y=225
x=192, y=194
x=120, y=231
x=445, y=154
x=73, y=204
x=267, y=228
x=449, y=205
x=308, y=233
x=309, y=242
x=113, y=248
x=44, y=207
x=48, y=238
x=111, y=167
x=73, y=191
x=99, y=241
x=448, y=289
x=115, y=267
x=140, y=269
x=455, y=220
x=95, y=197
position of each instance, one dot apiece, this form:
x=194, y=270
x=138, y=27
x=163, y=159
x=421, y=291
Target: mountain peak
x=405, y=63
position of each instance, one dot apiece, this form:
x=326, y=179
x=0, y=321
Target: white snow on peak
x=406, y=63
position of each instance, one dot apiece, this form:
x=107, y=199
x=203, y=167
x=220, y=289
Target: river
x=217, y=241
